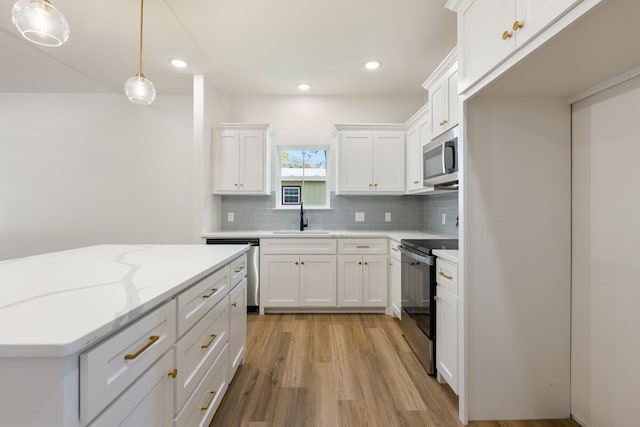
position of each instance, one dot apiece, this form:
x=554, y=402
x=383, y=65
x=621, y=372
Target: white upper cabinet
x=418, y=134
x=442, y=86
x=371, y=161
x=489, y=31
x=240, y=159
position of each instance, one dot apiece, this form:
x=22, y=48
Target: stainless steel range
x=417, y=294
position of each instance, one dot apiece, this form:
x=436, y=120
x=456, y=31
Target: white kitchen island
x=86, y=335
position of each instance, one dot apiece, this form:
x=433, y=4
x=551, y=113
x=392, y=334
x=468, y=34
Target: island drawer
x=447, y=275
x=109, y=368
x=238, y=269
x=198, y=348
x=203, y=403
x=298, y=246
x=196, y=301
x=362, y=246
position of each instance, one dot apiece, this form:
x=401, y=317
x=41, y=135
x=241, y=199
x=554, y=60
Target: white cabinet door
x=226, y=160
x=374, y=281
x=349, y=280
x=252, y=167
x=237, y=326
x=395, y=281
x=413, y=160
x=281, y=280
x=355, y=159
x=447, y=337
x=318, y=281
x=452, y=108
x=388, y=161
x=482, y=25
x=147, y=403
x=536, y=15
x=437, y=98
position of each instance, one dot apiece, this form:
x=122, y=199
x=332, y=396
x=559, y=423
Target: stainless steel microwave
x=440, y=160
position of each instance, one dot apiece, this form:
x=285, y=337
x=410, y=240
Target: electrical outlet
x=444, y=219
x=387, y=217
x=359, y=216
x=230, y=217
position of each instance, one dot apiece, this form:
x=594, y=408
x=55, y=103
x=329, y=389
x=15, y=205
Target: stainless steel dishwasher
x=253, y=268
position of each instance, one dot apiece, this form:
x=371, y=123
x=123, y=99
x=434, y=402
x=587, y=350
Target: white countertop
x=449, y=254
x=261, y=234
x=59, y=303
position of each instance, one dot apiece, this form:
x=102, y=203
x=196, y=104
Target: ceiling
x=244, y=46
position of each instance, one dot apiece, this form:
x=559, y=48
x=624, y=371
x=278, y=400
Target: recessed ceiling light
x=304, y=86
x=178, y=63
x=372, y=65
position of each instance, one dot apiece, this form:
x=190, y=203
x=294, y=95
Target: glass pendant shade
x=140, y=90
x=40, y=22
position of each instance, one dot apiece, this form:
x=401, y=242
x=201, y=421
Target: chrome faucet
x=303, y=223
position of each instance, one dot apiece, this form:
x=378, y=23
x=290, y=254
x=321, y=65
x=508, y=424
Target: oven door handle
x=425, y=259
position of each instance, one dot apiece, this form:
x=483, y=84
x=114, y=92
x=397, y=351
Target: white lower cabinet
x=299, y=281
x=147, y=403
x=395, y=276
x=447, y=323
x=362, y=280
x=237, y=326
x=298, y=272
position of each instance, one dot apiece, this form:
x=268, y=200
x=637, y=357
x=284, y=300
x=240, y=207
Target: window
x=302, y=177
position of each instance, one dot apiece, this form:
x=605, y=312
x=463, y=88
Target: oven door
x=417, y=291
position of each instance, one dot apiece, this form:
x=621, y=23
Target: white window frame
x=279, y=178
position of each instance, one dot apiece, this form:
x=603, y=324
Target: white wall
x=606, y=271
x=517, y=254
x=82, y=169
x=309, y=120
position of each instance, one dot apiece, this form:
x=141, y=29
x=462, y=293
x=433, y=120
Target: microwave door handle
x=444, y=158
x=453, y=158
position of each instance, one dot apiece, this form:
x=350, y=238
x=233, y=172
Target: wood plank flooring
x=336, y=370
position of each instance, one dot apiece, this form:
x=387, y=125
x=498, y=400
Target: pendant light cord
x=141, y=21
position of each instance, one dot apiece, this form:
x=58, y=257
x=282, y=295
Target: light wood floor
x=333, y=370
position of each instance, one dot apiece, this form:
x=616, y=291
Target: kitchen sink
x=301, y=232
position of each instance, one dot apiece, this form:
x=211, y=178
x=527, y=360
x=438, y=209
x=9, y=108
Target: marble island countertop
x=59, y=303
x=261, y=234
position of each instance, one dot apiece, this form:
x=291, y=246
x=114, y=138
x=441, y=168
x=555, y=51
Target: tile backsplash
x=407, y=213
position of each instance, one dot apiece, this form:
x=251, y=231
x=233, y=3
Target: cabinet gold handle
x=517, y=25
x=370, y=185
x=213, y=338
x=302, y=262
x=204, y=408
x=436, y=297
x=241, y=185
x=366, y=263
x=173, y=373
x=363, y=246
x=213, y=291
x=234, y=304
x=445, y=276
x=297, y=263
x=506, y=35
x=152, y=339
x=359, y=262
x=395, y=249
x=416, y=182
x=239, y=269
x=375, y=185
x=235, y=184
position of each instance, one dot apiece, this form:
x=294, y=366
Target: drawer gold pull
x=359, y=262
x=213, y=394
x=297, y=263
x=213, y=338
x=366, y=263
x=416, y=182
x=301, y=262
x=173, y=373
x=234, y=304
x=239, y=269
x=363, y=246
x=517, y=25
x=445, y=276
x=506, y=35
x=152, y=339
x=395, y=249
x=213, y=291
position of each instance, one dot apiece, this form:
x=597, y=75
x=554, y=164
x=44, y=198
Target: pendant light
x=138, y=88
x=40, y=22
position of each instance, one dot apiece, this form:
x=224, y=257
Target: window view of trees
x=307, y=169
